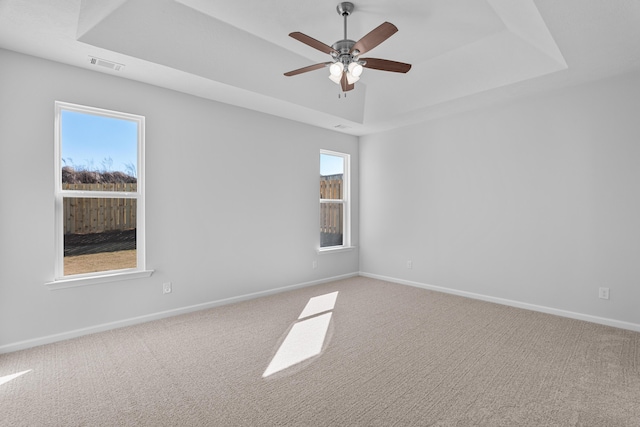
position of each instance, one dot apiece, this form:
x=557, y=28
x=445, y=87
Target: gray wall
x=232, y=202
x=535, y=202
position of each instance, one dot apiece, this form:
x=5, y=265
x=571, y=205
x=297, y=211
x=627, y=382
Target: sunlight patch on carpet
x=8, y=378
x=319, y=304
x=306, y=337
x=303, y=342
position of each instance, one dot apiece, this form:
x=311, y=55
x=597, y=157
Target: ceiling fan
x=346, y=66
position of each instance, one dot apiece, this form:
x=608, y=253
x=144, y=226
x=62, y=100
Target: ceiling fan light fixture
x=345, y=67
x=355, y=69
x=351, y=79
x=336, y=69
x=335, y=79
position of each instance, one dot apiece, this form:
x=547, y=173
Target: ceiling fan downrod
x=343, y=47
x=344, y=9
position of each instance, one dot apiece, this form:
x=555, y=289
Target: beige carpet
x=393, y=356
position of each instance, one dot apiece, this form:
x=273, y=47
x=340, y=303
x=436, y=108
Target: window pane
x=331, y=176
x=98, y=150
x=99, y=234
x=331, y=224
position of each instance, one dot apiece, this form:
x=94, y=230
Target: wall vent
x=106, y=64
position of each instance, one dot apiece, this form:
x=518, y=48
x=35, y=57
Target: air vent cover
x=106, y=64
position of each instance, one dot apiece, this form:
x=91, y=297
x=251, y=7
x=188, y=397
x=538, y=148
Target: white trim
x=21, y=345
x=60, y=280
x=346, y=198
x=511, y=303
x=58, y=214
x=334, y=249
x=80, y=194
x=74, y=282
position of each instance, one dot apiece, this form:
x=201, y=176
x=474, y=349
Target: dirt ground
x=104, y=261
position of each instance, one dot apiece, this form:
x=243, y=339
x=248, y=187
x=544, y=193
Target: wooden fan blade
x=305, y=69
x=386, y=65
x=310, y=41
x=345, y=84
x=374, y=38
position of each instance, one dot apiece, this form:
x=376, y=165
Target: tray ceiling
x=465, y=53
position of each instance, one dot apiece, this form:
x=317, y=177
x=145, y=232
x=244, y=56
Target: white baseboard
x=21, y=345
x=563, y=313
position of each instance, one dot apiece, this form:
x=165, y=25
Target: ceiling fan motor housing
x=343, y=49
x=343, y=46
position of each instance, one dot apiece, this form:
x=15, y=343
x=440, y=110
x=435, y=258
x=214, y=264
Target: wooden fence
x=331, y=187
x=331, y=217
x=83, y=215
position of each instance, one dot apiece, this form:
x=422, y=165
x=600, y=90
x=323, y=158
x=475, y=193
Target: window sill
x=335, y=250
x=94, y=280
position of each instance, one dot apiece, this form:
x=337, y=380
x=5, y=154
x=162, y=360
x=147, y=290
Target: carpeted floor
x=393, y=356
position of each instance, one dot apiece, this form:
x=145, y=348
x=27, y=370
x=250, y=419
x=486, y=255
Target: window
x=99, y=193
x=334, y=200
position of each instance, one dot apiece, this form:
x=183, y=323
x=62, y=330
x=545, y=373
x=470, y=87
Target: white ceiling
x=465, y=53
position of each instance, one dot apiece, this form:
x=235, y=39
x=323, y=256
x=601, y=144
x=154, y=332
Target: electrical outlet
x=409, y=264
x=166, y=288
x=603, y=293
x=314, y=264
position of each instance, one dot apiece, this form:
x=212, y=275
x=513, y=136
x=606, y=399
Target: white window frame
x=60, y=280
x=345, y=201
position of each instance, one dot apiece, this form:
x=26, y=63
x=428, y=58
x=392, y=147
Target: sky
x=331, y=165
x=89, y=141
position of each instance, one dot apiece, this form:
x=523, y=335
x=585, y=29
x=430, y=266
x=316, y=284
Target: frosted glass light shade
x=351, y=79
x=355, y=69
x=336, y=69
